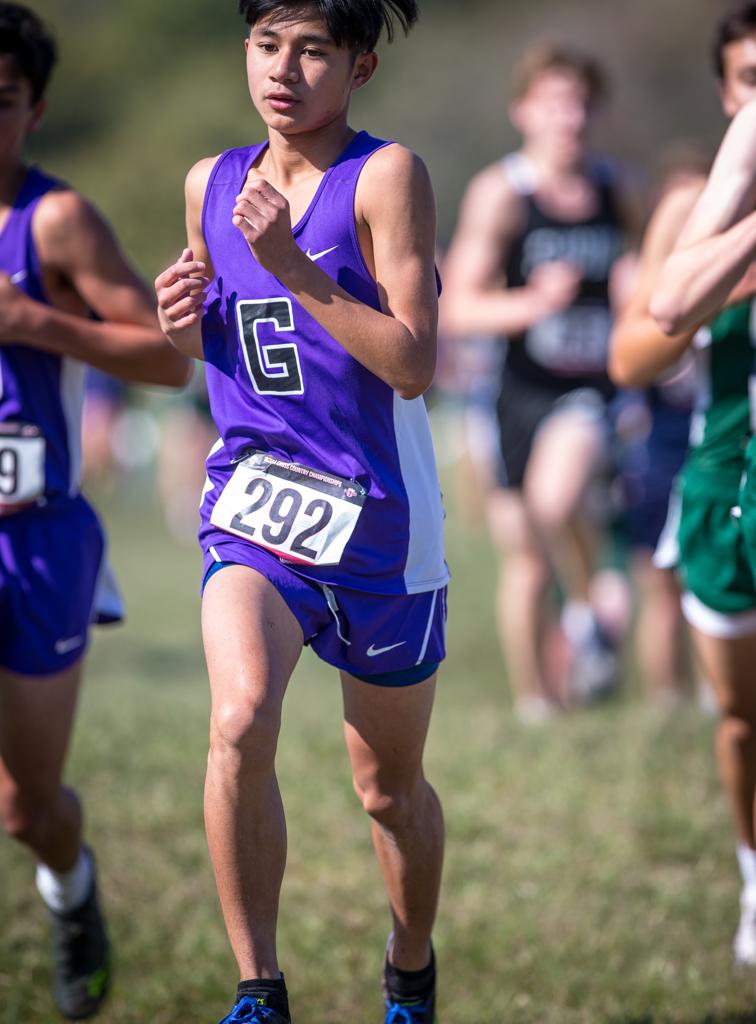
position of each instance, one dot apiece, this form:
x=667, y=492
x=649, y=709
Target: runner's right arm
x=639, y=350
x=181, y=288
x=476, y=299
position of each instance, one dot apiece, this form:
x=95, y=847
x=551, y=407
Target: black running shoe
x=253, y=1009
x=400, y=1008
x=81, y=958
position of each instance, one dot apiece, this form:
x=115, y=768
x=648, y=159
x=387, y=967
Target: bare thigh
x=567, y=454
x=252, y=644
x=509, y=524
x=385, y=729
x=730, y=666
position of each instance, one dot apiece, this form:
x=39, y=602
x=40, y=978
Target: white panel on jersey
x=72, y=400
x=702, y=341
x=521, y=172
x=667, y=552
x=208, y=484
x=425, y=568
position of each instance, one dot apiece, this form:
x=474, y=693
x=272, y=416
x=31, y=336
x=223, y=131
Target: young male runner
x=309, y=288
x=697, y=269
x=538, y=239
x=59, y=263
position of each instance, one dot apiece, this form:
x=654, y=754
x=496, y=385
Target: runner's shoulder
x=197, y=178
x=492, y=200
x=62, y=211
x=392, y=170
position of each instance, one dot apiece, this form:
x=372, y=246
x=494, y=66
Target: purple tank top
x=40, y=394
x=280, y=384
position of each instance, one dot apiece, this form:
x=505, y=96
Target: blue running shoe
x=253, y=1010
x=409, y=1013
x=409, y=1000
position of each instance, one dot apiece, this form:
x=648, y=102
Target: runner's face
x=299, y=80
x=555, y=113
x=739, y=81
x=19, y=115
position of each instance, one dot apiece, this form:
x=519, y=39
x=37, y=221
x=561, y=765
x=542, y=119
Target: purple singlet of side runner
x=53, y=579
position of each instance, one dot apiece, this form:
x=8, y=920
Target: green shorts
x=714, y=568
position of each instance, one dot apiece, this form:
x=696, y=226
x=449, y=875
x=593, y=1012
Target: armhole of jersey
x=520, y=174
x=210, y=182
x=31, y=242
x=353, y=225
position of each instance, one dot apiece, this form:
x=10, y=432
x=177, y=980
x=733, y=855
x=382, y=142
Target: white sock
x=65, y=892
x=578, y=622
x=747, y=862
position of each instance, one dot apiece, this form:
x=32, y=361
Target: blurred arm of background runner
x=639, y=350
x=476, y=299
x=84, y=265
x=717, y=244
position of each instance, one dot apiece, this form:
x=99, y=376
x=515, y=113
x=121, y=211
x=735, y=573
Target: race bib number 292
x=302, y=514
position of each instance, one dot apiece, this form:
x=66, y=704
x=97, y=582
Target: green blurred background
x=146, y=87
x=590, y=874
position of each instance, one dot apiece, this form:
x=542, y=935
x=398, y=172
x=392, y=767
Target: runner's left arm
x=396, y=221
x=717, y=245
x=79, y=252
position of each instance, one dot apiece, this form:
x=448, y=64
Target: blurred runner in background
x=536, y=261
x=187, y=433
x=105, y=399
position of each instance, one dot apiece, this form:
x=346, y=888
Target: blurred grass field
x=590, y=874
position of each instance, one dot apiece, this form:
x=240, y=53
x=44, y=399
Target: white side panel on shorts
x=428, y=628
x=717, y=624
x=425, y=568
x=108, y=603
x=72, y=375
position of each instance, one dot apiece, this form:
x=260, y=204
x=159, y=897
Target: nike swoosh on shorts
x=373, y=651
x=65, y=646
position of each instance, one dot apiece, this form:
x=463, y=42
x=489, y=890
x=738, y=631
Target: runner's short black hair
x=356, y=24
x=24, y=38
x=738, y=23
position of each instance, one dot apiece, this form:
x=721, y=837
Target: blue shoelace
x=397, y=1014
x=248, y=1011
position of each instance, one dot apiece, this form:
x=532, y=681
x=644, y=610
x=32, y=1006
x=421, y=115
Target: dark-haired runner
x=59, y=262
x=309, y=288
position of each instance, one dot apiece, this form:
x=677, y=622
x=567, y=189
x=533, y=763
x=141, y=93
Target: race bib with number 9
x=302, y=514
x=22, y=465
